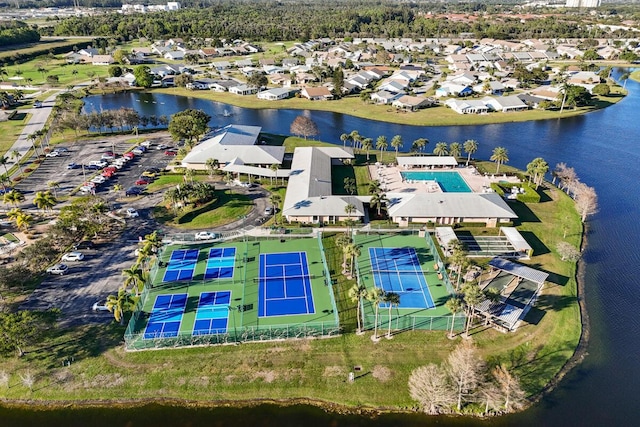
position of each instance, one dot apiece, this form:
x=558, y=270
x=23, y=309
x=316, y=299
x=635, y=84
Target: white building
x=583, y=3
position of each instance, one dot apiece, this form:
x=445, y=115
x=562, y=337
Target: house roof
x=317, y=91
x=519, y=270
x=448, y=205
x=309, y=187
x=231, y=142
x=427, y=161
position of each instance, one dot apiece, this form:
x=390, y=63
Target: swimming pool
x=450, y=182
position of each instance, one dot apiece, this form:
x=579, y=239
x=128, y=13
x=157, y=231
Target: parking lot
x=83, y=152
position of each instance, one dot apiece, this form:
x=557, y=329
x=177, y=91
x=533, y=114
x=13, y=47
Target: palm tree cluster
x=23, y=219
x=376, y=296
x=193, y=193
x=536, y=169
x=378, y=198
x=121, y=119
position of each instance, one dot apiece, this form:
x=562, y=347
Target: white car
x=137, y=151
x=87, y=189
x=99, y=306
x=59, y=269
x=53, y=154
x=73, y=256
x=61, y=149
x=146, y=144
x=132, y=213
x=268, y=210
x=162, y=146
x=98, y=179
x=99, y=163
x=206, y=235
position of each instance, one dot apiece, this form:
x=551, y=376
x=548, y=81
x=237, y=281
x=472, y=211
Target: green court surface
x=242, y=310
x=438, y=317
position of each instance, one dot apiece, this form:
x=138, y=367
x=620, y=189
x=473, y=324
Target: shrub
x=17, y=179
x=28, y=170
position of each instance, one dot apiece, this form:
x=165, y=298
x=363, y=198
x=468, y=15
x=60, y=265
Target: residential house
x=276, y=94
x=505, y=104
x=453, y=89
x=384, y=97
x=243, y=89
x=320, y=93
x=467, y=106
x=491, y=87
x=413, y=103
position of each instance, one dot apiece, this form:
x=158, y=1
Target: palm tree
x=349, y=209
x=624, y=77
x=117, y=188
x=375, y=296
x=212, y=166
x=455, y=149
x=472, y=296
x=536, y=169
x=367, y=144
x=396, y=143
x=354, y=253
x=54, y=185
x=15, y=155
x=375, y=186
x=228, y=178
x=356, y=294
x=133, y=277
x=4, y=181
x=377, y=200
x=454, y=304
x=458, y=259
x=3, y=161
x=500, y=156
x=188, y=175
x=344, y=138
x=441, y=149
x=391, y=298
x=23, y=221
x=382, y=144
x=154, y=241
x=355, y=138
x=275, y=200
x=44, y=200
x=13, y=213
x=32, y=137
x=419, y=144
x=13, y=197
x=274, y=167
x=118, y=304
x=470, y=147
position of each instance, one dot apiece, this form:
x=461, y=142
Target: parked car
x=143, y=181
x=100, y=163
x=92, y=167
x=106, y=156
x=162, y=147
x=129, y=155
x=84, y=244
x=73, y=256
x=53, y=154
x=61, y=149
x=148, y=174
x=205, y=235
x=99, y=306
x=268, y=210
x=132, y=213
x=107, y=174
x=98, y=179
x=172, y=152
x=133, y=191
x=73, y=165
x=138, y=151
x=87, y=189
x=58, y=269
x=37, y=104
x=146, y=144
x=153, y=170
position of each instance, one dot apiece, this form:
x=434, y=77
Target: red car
x=142, y=182
x=129, y=155
x=107, y=174
x=110, y=169
x=170, y=152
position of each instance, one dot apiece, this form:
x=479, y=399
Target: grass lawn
x=43, y=46
x=226, y=208
x=353, y=105
x=171, y=180
x=56, y=67
x=10, y=130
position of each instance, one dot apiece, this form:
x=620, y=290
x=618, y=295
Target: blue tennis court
x=398, y=270
x=181, y=265
x=284, y=285
x=212, y=315
x=221, y=263
x=166, y=316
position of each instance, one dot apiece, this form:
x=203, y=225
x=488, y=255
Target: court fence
x=411, y=322
x=234, y=335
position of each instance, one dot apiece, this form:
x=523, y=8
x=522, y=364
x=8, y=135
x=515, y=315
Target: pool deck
x=393, y=182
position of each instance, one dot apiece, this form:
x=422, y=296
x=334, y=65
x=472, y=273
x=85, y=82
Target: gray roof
x=234, y=141
x=427, y=161
x=237, y=165
x=448, y=205
x=515, y=238
x=519, y=270
x=309, y=187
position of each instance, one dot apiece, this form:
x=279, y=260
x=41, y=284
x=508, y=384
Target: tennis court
x=181, y=265
x=220, y=264
x=398, y=270
x=284, y=284
x=212, y=314
x=166, y=316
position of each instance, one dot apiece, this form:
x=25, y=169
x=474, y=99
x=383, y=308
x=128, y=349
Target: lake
x=603, y=147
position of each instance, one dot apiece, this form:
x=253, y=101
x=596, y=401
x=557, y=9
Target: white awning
x=427, y=161
x=515, y=238
x=519, y=270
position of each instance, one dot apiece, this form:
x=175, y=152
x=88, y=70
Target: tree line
x=17, y=32
x=268, y=21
